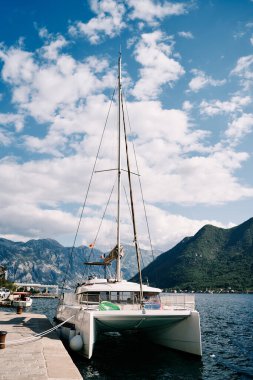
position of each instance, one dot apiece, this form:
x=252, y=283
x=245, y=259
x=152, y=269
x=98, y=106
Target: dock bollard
x=2, y=339
x=19, y=309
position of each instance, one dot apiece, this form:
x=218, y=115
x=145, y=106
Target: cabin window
x=125, y=296
x=83, y=297
x=93, y=297
x=153, y=297
x=114, y=296
x=121, y=297
x=90, y=297
x=136, y=297
x=104, y=296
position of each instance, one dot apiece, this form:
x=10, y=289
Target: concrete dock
x=43, y=359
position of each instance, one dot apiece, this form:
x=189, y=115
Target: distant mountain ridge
x=40, y=261
x=46, y=261
x=213, y=258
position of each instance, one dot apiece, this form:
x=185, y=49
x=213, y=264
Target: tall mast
x=118, y=268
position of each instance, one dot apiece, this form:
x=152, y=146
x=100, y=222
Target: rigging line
x=100, y=225
x=87, y=192
x=142, y=196
x=130, y=214
x=140, y=184
x=127, y=200
x=132, y=209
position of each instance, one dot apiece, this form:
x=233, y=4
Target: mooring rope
x=36, y=336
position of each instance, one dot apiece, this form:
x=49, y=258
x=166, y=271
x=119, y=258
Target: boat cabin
x=96, y=291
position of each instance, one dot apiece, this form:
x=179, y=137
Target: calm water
x=227, y=329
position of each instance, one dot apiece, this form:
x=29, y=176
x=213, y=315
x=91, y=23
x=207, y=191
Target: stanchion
x=2, y=339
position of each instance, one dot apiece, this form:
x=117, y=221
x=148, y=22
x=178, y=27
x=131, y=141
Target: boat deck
x=43, y=359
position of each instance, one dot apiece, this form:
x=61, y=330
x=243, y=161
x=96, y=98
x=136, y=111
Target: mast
x=118, y=266
x=137, y=249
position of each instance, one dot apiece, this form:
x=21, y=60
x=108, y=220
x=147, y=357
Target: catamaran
x=112, y=304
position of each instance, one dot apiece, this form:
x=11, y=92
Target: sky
x=187, y=74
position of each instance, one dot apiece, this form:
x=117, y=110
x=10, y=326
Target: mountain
x=129, y=261
x=41, y=261
x=48, y=262
x=213, y=258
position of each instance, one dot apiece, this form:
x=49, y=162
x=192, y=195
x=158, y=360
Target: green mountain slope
x=213, y=258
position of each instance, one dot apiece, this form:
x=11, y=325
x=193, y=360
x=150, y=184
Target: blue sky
x=187, y=78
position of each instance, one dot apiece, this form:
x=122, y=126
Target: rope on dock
x=36, y=336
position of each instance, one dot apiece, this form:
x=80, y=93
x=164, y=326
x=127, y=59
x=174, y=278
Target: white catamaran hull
x=177, y=329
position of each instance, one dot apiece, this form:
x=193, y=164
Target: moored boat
x=111, y=304
x=4, y=297
x=21, y=299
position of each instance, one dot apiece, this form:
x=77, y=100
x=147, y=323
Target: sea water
x=227, y=339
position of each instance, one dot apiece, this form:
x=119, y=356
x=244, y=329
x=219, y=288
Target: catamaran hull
x=184, y=335
x=177, y=329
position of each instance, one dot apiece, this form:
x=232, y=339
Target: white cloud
x=5, y=138
x=112, y=16
x=240, y=127
x=251, y=40
x=187, y=35
x=152, y=121
x=40, y=188
x=244, y=70
x=187, y=106
x=243, y=65
x=202, y=80
x=70, y=126
x=54, y=143
x=43, y=89
x=186, y=170
x=108, y=22
x=51, y=89
x=43, y=32
x=51, y=50
x=194, y=180
x=44, y=222
x=216, y=107
x=151, y=11
x=10, y=119
x=158, y=65
x=166, y=237
x=18, y=67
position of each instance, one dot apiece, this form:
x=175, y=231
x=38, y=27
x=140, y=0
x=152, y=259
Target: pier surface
x=43, y=359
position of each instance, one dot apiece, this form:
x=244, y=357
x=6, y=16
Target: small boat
x=4, y=294
x=4, y=297
x=111, y=304
x=21, y=299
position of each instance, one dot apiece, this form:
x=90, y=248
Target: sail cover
x=113, y=254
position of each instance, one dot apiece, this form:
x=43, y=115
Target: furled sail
x=112, y=255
